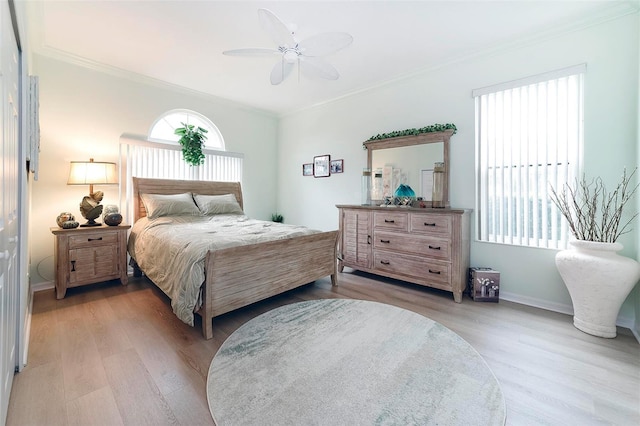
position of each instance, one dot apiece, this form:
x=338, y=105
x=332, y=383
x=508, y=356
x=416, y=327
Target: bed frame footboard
x=239, y=276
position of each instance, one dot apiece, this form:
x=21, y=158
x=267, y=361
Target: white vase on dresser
x=598, y=280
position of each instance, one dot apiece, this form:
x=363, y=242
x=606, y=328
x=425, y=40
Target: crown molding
x=66, y=57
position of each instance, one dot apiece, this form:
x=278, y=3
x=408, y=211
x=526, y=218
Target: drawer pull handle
x=429, y=224
x=94, y=239
x=431, y=271
x=389, y=221
x=385, y=262
x=434, y=248
x=73, y=266
x=368, y=239
x=385, y=241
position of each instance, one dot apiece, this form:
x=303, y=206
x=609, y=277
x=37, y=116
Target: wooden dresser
x=429, y=247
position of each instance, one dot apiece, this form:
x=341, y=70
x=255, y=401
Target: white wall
x=83, y=113
x=443, y=95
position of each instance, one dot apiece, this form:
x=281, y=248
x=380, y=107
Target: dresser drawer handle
x=434, y=248
x=429, y=224
x=431, y=271
x=385, y=262
x=73, y=266
x=385, y=241
x=389, y=221
x=94, y=239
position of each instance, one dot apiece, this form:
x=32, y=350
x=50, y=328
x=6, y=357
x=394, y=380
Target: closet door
x=9, y=83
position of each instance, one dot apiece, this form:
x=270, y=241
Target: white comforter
x=171, y=250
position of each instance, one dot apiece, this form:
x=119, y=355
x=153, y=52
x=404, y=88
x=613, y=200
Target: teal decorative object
x=404, y=195
x=404, y=191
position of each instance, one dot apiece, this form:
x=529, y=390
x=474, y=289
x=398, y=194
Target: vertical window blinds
x=144, y=159
x=529, y=137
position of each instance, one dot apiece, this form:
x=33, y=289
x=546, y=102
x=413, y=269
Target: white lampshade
x=92, y=173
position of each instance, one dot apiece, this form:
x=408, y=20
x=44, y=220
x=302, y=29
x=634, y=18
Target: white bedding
x=171, y=250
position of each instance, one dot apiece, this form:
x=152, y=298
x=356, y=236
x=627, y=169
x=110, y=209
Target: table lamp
x=92, y=173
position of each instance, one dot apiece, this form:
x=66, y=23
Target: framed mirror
x=412, y=159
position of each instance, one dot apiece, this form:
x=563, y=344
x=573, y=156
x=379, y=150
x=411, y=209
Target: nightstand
x=89, y=255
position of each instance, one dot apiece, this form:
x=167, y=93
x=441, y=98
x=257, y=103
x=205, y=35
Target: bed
x=234, y=276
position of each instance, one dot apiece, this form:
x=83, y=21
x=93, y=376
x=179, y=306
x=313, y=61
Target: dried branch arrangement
x=593, y=213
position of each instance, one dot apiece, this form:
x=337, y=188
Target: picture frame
x=307, y=169
x=321, y=166
x=336, y=166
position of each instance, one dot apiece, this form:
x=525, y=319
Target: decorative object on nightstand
x=92, y=173
x=89, y=255
x=111, y=215
x=65, y=217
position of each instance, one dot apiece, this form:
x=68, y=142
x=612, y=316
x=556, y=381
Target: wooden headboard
x=170, y=186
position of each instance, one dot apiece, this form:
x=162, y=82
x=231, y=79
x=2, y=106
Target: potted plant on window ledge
x=598, y=279
x=192, y=140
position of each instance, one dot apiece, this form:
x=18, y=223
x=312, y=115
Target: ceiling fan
x=306, y=53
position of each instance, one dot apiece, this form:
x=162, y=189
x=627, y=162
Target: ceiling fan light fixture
x=290, y=56
x=311, y=49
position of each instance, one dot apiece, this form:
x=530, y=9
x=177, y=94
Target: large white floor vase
x=598, y=280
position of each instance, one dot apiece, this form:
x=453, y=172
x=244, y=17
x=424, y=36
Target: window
x=529, y=137
x=163, y=129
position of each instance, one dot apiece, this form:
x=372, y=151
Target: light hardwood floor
x=113, y=355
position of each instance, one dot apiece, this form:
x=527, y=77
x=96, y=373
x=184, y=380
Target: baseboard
x=562, y=308
x=27, y=334
x=46, y=285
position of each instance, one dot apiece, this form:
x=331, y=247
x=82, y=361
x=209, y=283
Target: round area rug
x=350, y=362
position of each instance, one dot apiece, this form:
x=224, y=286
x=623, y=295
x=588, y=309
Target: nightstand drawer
x=92, y=240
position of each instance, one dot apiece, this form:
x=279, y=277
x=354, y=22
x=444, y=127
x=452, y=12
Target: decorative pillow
x=218, y=204
x=158, y=205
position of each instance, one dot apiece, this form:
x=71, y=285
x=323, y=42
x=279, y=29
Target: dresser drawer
x=423, y=245
x=92, y=240
x=432, y=224
x=429, y=270
x=397, y=221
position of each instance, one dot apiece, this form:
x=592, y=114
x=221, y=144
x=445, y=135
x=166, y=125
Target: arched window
x=163, y=129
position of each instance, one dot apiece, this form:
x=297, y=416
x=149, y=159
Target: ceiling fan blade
x=325, y=43
x=280, y=71
x=276, y=28
x=251, y=52
x=318, y=67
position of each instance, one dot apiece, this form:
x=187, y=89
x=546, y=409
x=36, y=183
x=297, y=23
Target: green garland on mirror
x=414, y=132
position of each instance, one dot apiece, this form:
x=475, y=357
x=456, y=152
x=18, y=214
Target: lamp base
x=91, y=222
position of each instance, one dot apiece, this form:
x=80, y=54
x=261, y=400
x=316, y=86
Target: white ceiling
x=181, y=42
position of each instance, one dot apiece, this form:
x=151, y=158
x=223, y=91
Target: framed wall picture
x=337, y=166
x=321, y=166
x=307, y=169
